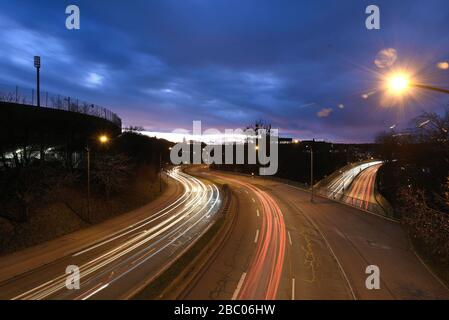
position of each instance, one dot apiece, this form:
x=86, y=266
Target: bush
x=427, y=227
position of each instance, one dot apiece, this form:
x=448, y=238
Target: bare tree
x=109, y=173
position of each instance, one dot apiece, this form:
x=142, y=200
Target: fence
x=26, y=96
x=355, y=202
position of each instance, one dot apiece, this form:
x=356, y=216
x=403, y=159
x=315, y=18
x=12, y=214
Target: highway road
x=356, y=186
x=113, y=267
x=285, y=247
x=342, y=182
x=361, y=192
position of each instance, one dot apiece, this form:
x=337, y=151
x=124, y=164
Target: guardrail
x=26, y=96
x=355, y=202
x=340, y=197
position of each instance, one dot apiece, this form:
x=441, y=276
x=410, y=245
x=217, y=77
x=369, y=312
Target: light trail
x=263, y=276
x=356, y=186
x=122, y=252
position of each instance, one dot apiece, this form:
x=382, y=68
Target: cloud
x=228, y=63
x=307, y=105
x=94, y=80
x=324, y=113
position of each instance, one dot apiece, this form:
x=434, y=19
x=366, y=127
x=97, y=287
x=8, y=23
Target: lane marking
x=96, y=291
x=293, y=288
x=254, y=200
x=340, y=266
x=239, y=286
x=257, y=236
x=258, y=213
x=290, y=238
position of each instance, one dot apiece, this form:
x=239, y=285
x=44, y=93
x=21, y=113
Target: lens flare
x=398, y=83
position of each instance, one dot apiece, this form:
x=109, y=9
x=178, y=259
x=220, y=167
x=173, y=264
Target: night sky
x=301, y=65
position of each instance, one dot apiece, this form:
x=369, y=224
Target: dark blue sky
x=162, y=64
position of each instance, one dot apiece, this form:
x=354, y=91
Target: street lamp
x=311, y=172
x=103, y=139
x=37, y=65
x=398, y=83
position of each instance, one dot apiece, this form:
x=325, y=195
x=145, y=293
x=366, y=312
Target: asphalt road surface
x=356, y=186
x=362, y=189
x=285, y=247
x=112, y=267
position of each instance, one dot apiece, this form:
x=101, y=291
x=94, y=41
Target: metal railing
x=26, y=96
x=355, y=202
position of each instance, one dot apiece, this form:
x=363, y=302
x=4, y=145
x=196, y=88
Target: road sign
x=37, y=61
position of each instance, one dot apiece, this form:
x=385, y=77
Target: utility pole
x=311, y=172
x=37, y=65
x=88, y=181
x=160, y=172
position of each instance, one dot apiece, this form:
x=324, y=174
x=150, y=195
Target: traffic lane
x=250, y=264
x=33, y=279
x=360, y=239
x=220, y=280
x=19, y=263
x=154, y=255
x=363, y=187
x=341, y=183
x=146, y=266
x=175, y=243
x=56, y=270
x=310, y=270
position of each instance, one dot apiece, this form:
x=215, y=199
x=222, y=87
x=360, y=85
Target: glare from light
x=398, y=83
x=103, y=139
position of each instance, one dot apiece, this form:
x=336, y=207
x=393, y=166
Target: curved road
x=113, y=267
x=317, y=250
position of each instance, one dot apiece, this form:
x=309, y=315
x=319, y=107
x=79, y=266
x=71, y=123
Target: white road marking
x=239, y=286
x=96, y=291
x=293, y=288
x=258, y=213
x=290, y=238
x=257, y=236
x=254, y=200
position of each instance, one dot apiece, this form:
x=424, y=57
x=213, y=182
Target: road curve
x=112, y=267
x=362, y=189
x=328, y=248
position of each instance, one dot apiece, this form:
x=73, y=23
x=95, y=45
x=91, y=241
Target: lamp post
x=37, y=65
x=103, y=139
x=399, y=83
x=160, y=172
x=88, y=180
x=311, y=172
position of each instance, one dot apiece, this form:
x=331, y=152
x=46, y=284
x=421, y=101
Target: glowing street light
x=400, y=83
x=103, y=139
